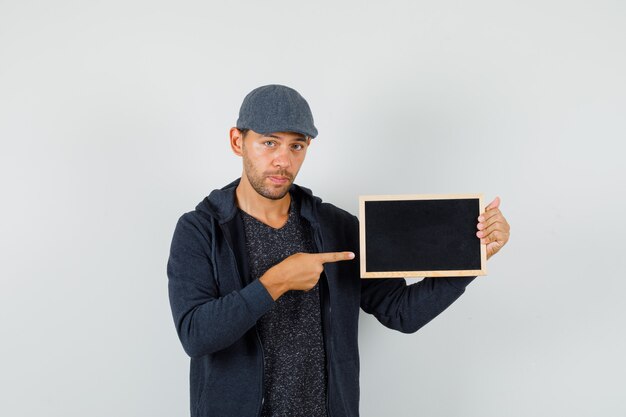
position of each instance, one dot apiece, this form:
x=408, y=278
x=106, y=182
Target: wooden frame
x=406, y=274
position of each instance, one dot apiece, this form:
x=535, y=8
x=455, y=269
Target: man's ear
x=236, y=141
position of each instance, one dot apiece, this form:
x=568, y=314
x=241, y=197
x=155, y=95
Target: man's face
x=272, y=161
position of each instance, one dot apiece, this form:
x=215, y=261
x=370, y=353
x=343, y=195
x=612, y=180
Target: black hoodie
x=215, y=305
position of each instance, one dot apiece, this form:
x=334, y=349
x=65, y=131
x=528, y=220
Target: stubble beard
x=257, y=181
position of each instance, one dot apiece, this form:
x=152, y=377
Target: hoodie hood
x=221, y=204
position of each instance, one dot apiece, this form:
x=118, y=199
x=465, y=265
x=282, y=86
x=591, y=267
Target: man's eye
x=268, y=143
x=298, y=147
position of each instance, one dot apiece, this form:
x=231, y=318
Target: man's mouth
x=278, y=179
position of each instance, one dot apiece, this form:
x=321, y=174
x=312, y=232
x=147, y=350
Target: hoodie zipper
x=256, y=329
x=327, y=343
x=258, y=338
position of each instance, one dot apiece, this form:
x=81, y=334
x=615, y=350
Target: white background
x=114, y=118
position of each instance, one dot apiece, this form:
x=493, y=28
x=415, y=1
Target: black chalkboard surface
x=423, y=235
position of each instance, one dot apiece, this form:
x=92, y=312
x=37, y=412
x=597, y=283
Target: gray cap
x=276, y=108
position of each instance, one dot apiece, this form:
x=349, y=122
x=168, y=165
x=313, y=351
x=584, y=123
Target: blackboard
x=422, y=235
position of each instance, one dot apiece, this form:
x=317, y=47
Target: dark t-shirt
x=294, y=382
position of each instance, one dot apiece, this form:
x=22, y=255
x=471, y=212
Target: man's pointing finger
x=335, y=256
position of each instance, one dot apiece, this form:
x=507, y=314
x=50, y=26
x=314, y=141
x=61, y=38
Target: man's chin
x=277, y=195
x=275, y=192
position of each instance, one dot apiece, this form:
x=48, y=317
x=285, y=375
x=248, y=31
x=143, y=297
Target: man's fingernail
x=351, y=255
x=481, y=218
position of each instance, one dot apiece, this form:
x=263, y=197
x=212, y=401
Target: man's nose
x=282, y=158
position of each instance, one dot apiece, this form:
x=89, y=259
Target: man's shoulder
x=332, y=211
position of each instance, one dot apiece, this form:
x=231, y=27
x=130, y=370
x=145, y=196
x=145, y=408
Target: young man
x=264, y=280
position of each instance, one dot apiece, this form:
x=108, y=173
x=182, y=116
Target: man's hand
x=493, y=228
x=300, y=271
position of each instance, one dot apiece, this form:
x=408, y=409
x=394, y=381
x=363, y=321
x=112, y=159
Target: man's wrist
x=273, y=284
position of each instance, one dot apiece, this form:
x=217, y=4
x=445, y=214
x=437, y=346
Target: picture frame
x=421, y=235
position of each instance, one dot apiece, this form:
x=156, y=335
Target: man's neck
x=271, y=212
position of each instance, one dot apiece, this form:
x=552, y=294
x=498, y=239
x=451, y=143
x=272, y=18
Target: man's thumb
x=494, y=204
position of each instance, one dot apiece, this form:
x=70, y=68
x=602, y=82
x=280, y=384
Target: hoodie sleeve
x=407, y=308
x=206, y=322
